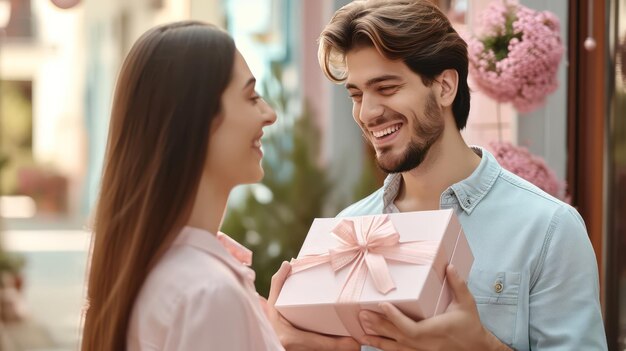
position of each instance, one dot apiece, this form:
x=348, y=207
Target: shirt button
x=498, y=287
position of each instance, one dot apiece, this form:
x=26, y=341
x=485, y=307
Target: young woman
x=186, y=128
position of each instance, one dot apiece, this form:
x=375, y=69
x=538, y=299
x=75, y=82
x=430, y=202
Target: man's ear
x=448, y=83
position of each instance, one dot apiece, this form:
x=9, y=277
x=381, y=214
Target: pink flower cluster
x=516, y=55
x=533, y=168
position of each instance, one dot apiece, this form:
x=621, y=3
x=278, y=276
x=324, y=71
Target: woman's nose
x=268, y=113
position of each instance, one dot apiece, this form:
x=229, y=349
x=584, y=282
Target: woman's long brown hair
x=166, y=101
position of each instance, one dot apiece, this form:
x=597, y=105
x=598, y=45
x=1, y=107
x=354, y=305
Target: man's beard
x=429, y=131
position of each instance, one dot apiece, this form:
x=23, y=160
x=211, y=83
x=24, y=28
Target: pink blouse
x=199, y=297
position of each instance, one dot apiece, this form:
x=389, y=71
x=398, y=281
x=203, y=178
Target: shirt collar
x=468, y=192
x=221, y=246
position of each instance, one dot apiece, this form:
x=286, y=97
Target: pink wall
x=482, y=124
x=315, y=15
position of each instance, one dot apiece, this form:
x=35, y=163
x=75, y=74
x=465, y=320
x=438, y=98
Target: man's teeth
x=386, y=131
x=257, y=143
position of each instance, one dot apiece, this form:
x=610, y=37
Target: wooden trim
x=572, y=99
x=586, y=123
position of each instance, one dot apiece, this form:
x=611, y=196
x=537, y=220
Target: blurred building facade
x=110, y=29
x=42, y=68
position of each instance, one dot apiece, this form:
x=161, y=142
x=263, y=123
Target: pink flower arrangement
x=516, y=55
x=533, y=168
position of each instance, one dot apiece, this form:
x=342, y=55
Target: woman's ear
x=448, y=81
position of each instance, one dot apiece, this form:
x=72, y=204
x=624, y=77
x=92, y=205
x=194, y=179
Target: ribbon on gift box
x=365, y=244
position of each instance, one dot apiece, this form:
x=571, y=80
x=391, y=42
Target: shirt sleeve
x=211, y=318
x=565, y=312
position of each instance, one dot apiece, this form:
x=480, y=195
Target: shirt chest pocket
x=497, y=299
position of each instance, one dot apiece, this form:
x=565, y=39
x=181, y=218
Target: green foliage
x=500, y=43
x=276, y=215
x=371, y=176
x=15, y=134
x=11, y=262
x=15, y=148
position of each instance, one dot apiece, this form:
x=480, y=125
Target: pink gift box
x=325, y=294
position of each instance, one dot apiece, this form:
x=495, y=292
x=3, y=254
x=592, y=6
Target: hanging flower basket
x=534, y=169
x=516, y=55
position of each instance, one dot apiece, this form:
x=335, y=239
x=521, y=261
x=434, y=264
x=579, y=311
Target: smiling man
x=534, y=282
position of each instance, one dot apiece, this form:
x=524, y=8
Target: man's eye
x=388, y=89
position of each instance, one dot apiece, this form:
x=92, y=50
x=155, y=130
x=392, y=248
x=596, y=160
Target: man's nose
x=371, y=109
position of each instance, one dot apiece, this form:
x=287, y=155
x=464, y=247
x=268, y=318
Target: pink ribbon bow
x=366, y=243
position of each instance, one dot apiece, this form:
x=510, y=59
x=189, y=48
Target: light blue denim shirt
x=533, y=247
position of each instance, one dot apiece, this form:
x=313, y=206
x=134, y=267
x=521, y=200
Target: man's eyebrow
x=375, y=80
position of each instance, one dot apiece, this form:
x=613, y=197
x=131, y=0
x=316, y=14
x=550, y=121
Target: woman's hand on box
x=292, y=338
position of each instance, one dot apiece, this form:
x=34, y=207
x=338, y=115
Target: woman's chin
x=256, y=175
